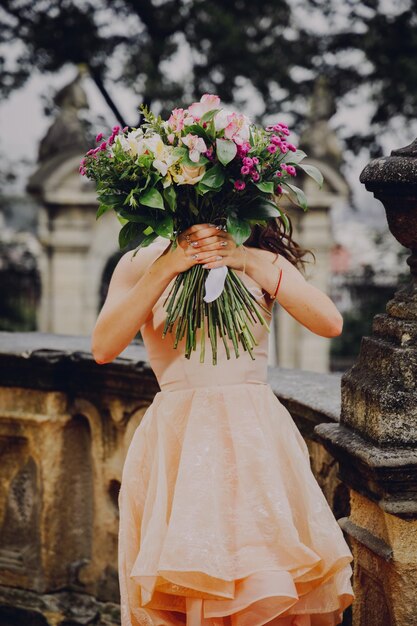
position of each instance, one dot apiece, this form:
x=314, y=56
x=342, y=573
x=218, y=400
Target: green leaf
x=213, y=178
x=146, y=241
x=285, y=220
x=259, y=209
x=202, y=189
x=128, y=232
x=111, y=199
x=170, y=197
x=226, y=150
x=238, y=228
x=314, y=172
x=165, y=226
x=265, y=186
x=251, y=139
x=297, y=196
x=295, y=157
x=123, y=220
x=102, y=209
x=152, y=198
x=135, y=217
x=207, y=117
x=196, y=129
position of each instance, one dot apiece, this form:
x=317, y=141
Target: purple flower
x=255, y=160
x=240, y=185
x=291, y=147
x=111, y=140
x=279, y=190
x=279, y=174
x=125, y=129
x=247, y=161
x=82, y=170
x=283, y=147
x=285, y=131
x=255, y=176
x=291, y=170
x=245, y=170
x=115, y=129
x=269, y=129
x=99, y=137
x=103, y=146
x=90, y=152
x=276, y=139
x=271, y=148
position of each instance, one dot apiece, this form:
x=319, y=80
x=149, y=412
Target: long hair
x=274, y=238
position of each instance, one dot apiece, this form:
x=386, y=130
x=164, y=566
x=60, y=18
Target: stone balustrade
x=65, y=426
x=375, y=440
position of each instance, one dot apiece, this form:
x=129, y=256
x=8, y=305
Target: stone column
x=375, y=442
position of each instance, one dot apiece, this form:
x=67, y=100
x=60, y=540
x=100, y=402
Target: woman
x=221, y=519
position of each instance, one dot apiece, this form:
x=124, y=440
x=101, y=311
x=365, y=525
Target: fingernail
x=212, y=225
x=194, y=243
x=218, y=227
x=218, y=258
x=206, y=266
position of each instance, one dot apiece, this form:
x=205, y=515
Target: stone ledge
x=386, y=475
x=64, y=362
x=63, y=608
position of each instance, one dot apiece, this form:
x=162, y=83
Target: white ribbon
x=214, y=284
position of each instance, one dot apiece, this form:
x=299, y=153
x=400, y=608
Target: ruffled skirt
x=222, y=521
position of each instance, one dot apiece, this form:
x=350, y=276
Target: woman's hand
x=208, y=245
x=204, y=244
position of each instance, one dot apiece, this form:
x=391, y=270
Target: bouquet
x=203, y=164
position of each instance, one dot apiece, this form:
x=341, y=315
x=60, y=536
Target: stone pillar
x=75, y=245
x=375, y=442
x=292, y=345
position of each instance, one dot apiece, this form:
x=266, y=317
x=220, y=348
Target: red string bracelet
x=274, y=297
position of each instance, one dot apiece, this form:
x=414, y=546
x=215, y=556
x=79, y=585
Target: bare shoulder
x=131, y=266
x=266, y=255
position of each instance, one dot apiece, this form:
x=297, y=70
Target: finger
x=207, y=240
x=217, y=245
x=213, y=265
x=202, y=257
x=197, y=227
x=204, y=233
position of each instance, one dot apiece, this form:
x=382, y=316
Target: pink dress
x=221, y=519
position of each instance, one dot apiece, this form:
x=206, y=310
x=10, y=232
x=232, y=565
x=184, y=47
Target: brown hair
x=274, y=237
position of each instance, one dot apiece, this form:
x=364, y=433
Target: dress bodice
x=174, y=371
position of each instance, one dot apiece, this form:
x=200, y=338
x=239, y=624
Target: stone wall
x=65, y=426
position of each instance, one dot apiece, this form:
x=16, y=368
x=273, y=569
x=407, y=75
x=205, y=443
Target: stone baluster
x=375, y=441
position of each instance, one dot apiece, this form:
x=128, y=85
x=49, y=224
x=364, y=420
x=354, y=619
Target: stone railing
x=375, y=440
x=65, y=426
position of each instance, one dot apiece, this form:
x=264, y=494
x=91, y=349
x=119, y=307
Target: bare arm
x=310, y=306
x=133, y=291
x=135, y=286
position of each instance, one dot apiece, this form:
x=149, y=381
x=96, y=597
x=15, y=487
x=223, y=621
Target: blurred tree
x=372, y=43
x=277, y=48
x=229, y=43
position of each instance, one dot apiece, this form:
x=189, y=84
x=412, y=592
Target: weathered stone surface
x=375, y=441
x=386, y=475
x=55, y=609
x=385, y=578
